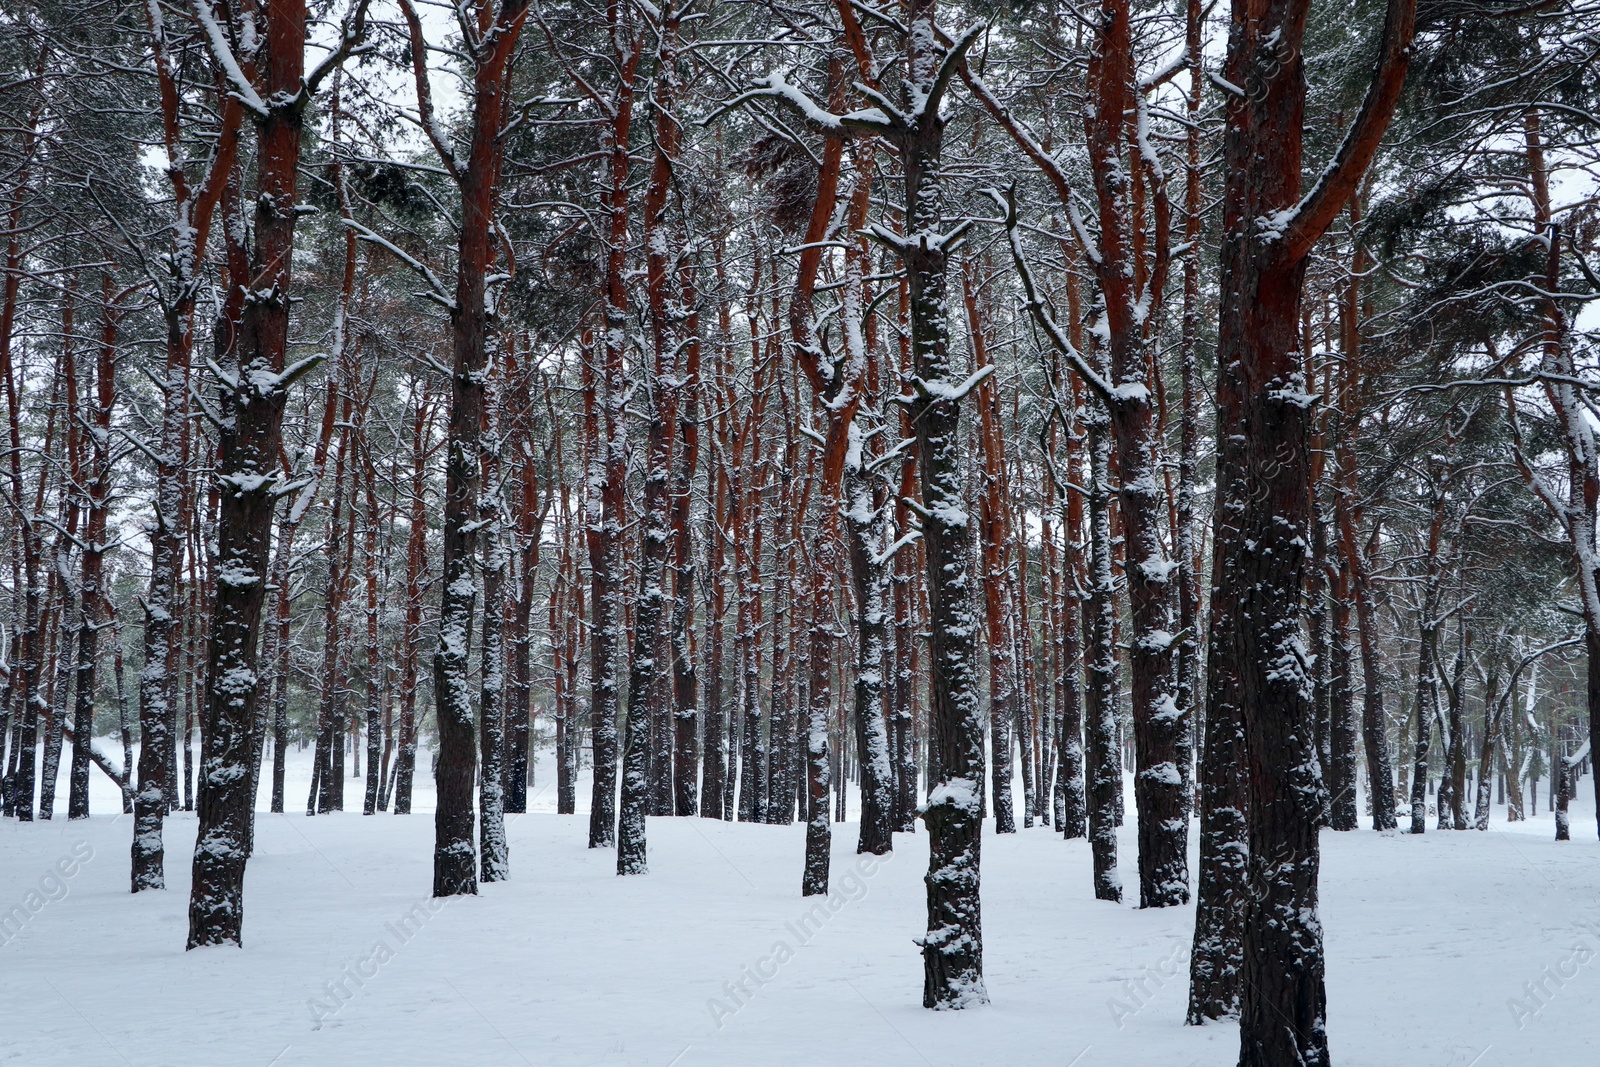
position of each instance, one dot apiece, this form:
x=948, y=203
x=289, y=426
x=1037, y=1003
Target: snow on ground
x=1434, y=947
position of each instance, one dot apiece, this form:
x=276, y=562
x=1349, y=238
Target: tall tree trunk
x=716, y=771
x=685, y=677
x=532, y=507
x=1341, y=705
x=1104, y=772
x=1159, y=725
x=477, y=177
x=1263, y=492
x=494, y=856
x=993, y=538
x=327, y=794
x=22, y=679
x=252, y=401
x=866, y=514
x=95, y=604
x=193, y=211
x=608, y=462
x=952, y=949
x=372, y=564
x=411, y=630
x=648, y=668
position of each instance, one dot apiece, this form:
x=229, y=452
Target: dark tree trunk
x=650, y=618
x=647, y=750
x=1426, y=712
x=411, y=631
x=252, y=401
x=685, y=676
x=1264, y=501
x=95, y=604
x=1159, y=723
x=608, y=463
x=530, y=516
x=1104, y=772
x=1341, y=708
x=952, y=949
x=478, y=178
x=494, y=858
x=865, y=512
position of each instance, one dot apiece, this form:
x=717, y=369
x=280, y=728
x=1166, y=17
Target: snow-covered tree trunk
x=649, y=617
x=1184, y=540
x=902, y=692
x=377, y=755
x=1455, y=762
x=96, y=605
x=685, y=676
x=477, y=177
x=411, y=629
x=642, y=790
x=993, y=539
x=1425, y=712
x=251, y=352
x=193, y=211
x=1159, y=726
x=67, y=623
x=531, y=507
x=952, y=949
x=748, y=537
x=1103, y=773
x=607, y=471
x=819, y=770
x=71, y=622
x=22, y=678
x=566, y=600
x=864, y=513
x=1216, y=956
x=1342, y=769
x=1264, y=499
x=717, y=758
x=786, y=781
x=494, y=861
x=1073, y=818
x=327, y=782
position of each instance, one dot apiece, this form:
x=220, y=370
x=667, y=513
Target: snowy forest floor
x=346, y=959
